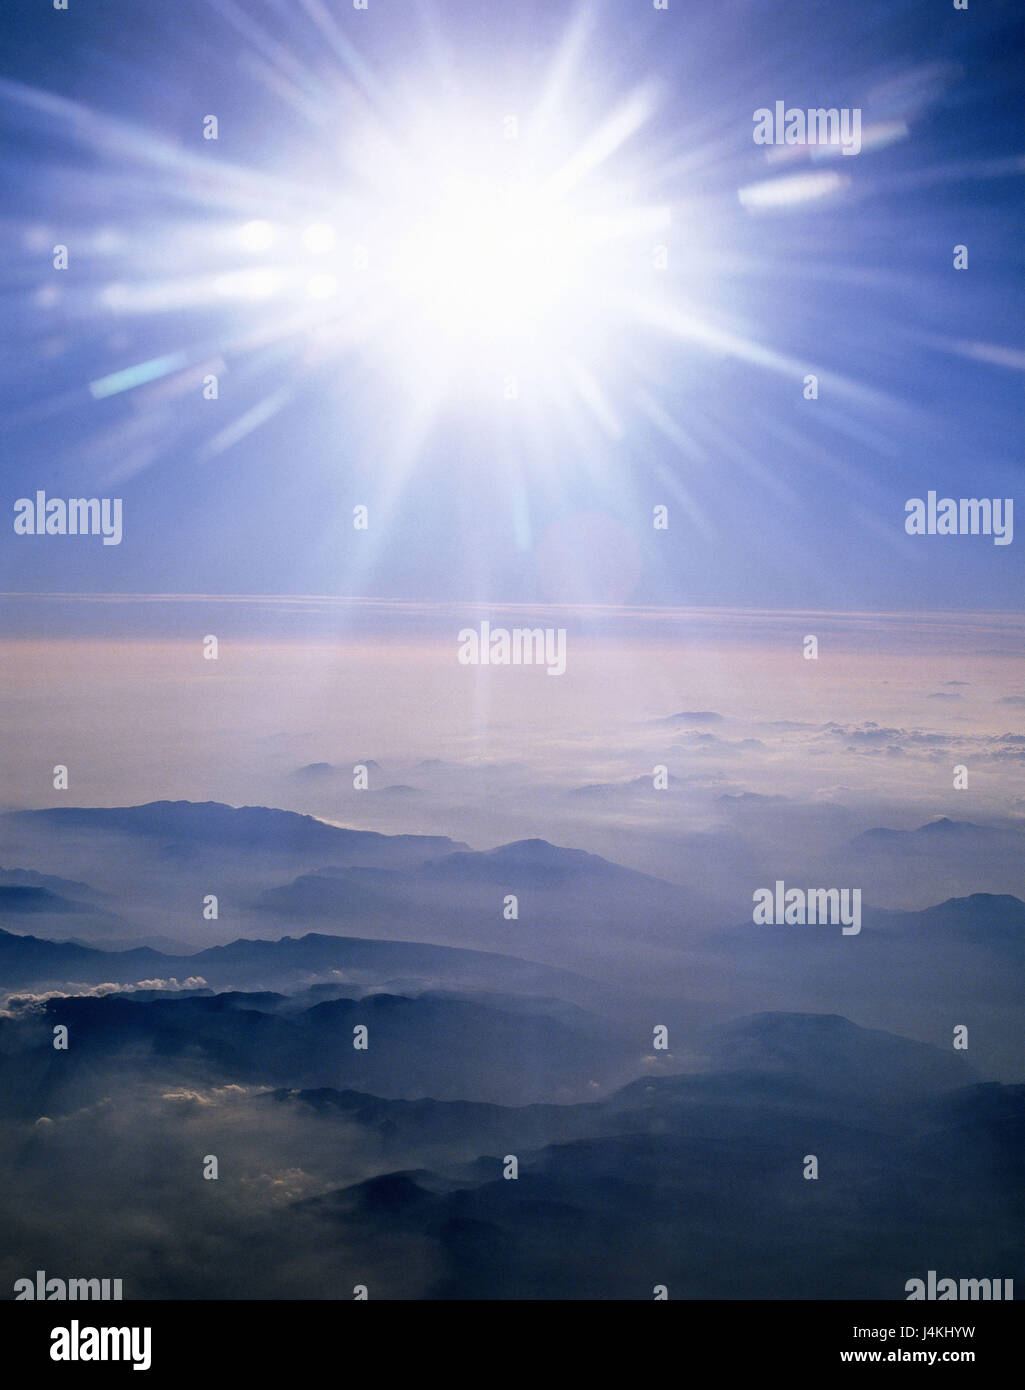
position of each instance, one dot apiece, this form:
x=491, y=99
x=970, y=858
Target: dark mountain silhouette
x=698, y=1182
x=29, y=960
x=443, y=1047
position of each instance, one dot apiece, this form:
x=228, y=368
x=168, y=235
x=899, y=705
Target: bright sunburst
x=475, y=253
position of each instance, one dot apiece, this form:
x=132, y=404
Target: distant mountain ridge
x=537, y=858
x=941, y=830
x=830, y=1049
x=247, y=827
x=29, y=960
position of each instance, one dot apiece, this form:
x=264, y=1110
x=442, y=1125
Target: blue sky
x=774, y=501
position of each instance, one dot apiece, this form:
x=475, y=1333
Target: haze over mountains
x=176, y=843
x=621, y=934
x=610, y=1033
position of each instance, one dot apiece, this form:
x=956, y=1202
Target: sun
x=463, y=249
x=490, y=264
x=491, y=256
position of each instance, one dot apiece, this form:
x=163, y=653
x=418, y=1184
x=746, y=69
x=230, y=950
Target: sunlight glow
x=490, y=257
x=319, y=238
x=489, y=264
x=257, y=236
